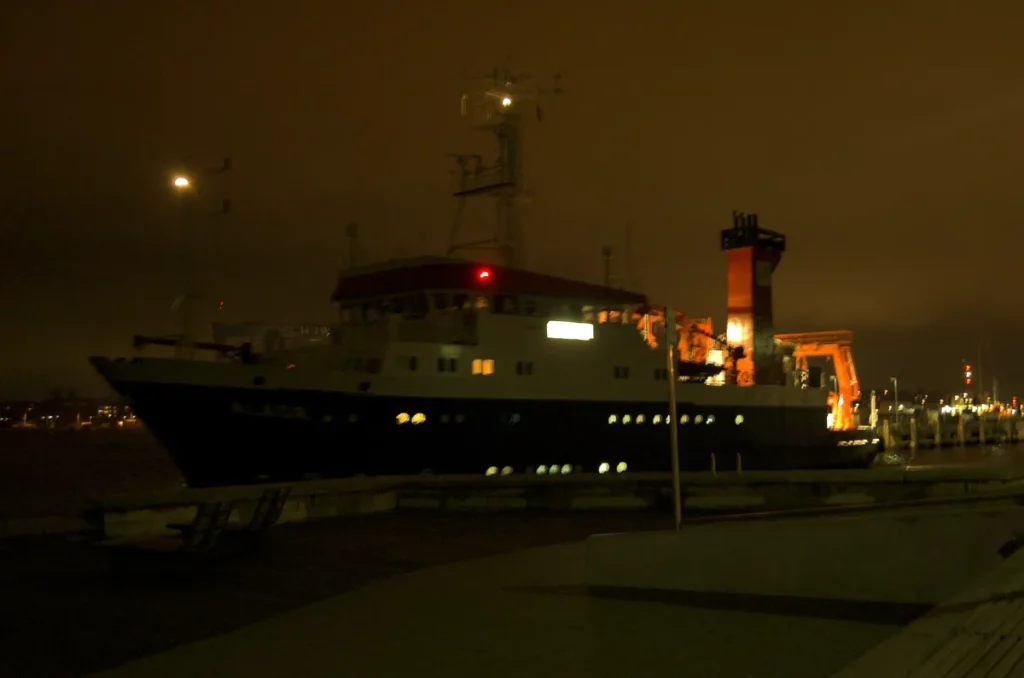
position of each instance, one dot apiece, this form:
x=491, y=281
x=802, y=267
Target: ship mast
x=497, y=104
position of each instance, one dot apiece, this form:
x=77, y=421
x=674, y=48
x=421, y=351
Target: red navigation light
x=483, y=275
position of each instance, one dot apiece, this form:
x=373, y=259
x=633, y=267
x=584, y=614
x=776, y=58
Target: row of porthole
x=555, y=469
x=657, y=419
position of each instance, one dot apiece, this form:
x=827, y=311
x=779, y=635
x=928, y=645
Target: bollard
x=739, y=463
x=714, y=467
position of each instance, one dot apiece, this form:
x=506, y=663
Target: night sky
x=883, y=138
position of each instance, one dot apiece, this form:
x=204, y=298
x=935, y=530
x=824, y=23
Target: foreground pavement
x=723, y=600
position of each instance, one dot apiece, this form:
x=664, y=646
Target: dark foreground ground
x=70, y=610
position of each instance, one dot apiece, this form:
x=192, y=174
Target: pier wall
x=702, y=493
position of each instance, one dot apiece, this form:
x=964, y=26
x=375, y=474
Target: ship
x=455, y=365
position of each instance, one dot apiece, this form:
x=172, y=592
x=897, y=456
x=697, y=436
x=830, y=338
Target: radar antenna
x=498, y=104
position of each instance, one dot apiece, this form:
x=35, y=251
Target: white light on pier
x=563, y=329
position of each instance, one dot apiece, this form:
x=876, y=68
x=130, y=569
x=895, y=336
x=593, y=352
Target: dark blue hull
x=222, y=436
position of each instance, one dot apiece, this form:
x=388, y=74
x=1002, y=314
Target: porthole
x=711, y=419
x=492, y=471
x=657, y=419
x=566, y=469
x=626, y=419
x=698, y=419
x=685, y=419
x=542, y=470
x=621, y=467
x=739, y=419
x=639, y=418
x=506, y=470
x=612, y=419
x=604, y=467
x=403, y=418
x=419, y=418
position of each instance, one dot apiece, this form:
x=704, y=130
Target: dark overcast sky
x=884, y=138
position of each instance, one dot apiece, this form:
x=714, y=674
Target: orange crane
x=838, y=346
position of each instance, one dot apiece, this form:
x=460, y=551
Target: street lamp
x=896, y=397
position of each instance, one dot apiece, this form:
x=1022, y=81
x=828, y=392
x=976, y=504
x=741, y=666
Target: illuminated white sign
x=562, y=329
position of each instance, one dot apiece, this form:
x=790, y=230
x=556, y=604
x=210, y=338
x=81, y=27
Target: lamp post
x=896, y=397
x=183, y=187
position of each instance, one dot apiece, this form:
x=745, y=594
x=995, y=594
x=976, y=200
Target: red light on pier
x=483, y=275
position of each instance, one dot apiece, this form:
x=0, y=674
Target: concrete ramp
x=910, y=557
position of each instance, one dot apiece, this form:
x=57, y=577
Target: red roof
x=451, y=274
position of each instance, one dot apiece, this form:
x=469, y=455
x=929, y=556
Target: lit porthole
x=621, y=467
x=492, y=471
x=698, y=419
x=459, y=418
x=566, y=469
x=612, y=419
x=445, y=418
x=506, y=470
x=402, y=418
x=604, y=467
x=711, y=419
x=685, y=419
x=739, y=419
x=419, y=418
x=626, y=419
x=657, y=419
x=639, y=418
x=668, y=418
x=542, y=470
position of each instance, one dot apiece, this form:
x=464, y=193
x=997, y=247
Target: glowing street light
x=181, y=182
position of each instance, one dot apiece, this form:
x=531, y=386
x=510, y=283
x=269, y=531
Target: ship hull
x=229, y=436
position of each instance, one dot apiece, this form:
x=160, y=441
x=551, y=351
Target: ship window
x=258, y=381
x=483, y=366
x=626, y=419
x=445, y=418
x=397, y=305
x=441, y=364
x=480, y=302
x=621, y=372
x=442, y=302
x=685, y=419
x=524, y=367
x=418, y=418
x=698, y=419
x=639, y=418
x=373, y=365
x=657, y=419
x=452, y=365
x=661, y=374
x=612, y=419
x=417, y=306
x=446, y=365
x=739, y=419
x=413, y=363
x=461, y=302
x=529, y=307
x=459, y=418
x=711, y=419
x=504, y=303
x=402, y=418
